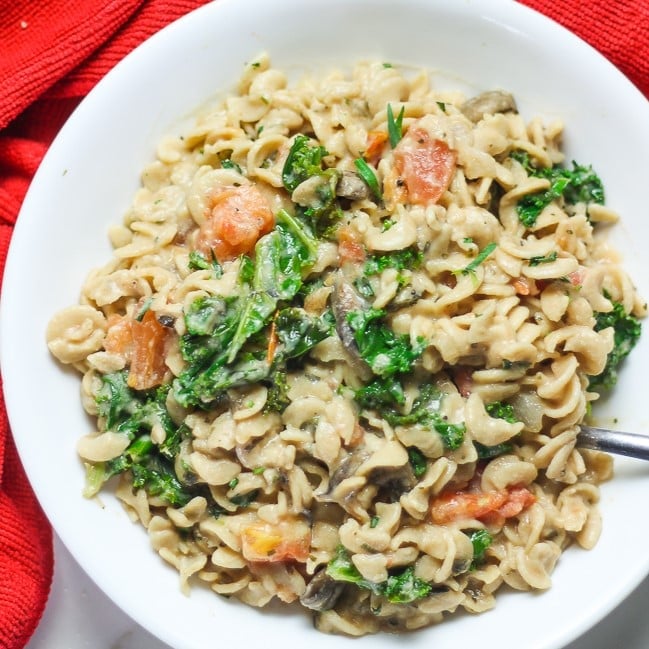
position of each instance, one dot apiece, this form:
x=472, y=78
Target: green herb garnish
x=395, y=126
x=535, y=261
x=369, y=177
x=469, y=269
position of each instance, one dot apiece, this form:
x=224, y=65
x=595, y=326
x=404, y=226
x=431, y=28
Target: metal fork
x=614, y=441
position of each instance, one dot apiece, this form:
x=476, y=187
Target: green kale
x=210, y=383
x=385, y=395
x=406, y=259
x=384, y=351
x=323, y=211
x=277, y=399
x=585, y=186
x=245, y=499
x=303, y=161
x=100, y=472
x=218, y=345
x=627, y=330
x=481, y=540
x=227, y=163
x=400, y=260
x=401, y=587
x=307, y=244
x=577, y=185
x=489, y=452
x=418, y=461
x=207, y=314
x=501, y=410
x=115, y=400
x=158, y=479
x=198, y=261
x=383, y=392
x=134, y=414
x=530, y=206
x=298, y=332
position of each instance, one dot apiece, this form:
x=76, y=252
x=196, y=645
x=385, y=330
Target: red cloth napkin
x=54, y=52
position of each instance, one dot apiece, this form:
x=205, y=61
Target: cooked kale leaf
x=219, y=345
x=304, y=160
x=577, y=185
x=386, y=352
x=386, y=395
x=627, y=330
x=401, y=586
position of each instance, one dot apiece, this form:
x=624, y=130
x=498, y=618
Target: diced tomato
x=349, y=246
x=148, y=367
x=119, y=336
x=287, y=540
x=577, y=277
x=425, y=164
x=518, y=499
x=489, y=506
x=525, y=286
x=375, y=143
x=144, y=345
x=240, y=216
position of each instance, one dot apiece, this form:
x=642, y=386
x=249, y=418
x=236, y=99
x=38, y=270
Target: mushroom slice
x=488, y=103
x=352, y=186
x=345, y=300
x=322, y=592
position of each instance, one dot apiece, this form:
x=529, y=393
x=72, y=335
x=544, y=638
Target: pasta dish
x=343, y=347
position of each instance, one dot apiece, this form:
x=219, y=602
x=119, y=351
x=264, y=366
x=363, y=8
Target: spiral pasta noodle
x=344, y=345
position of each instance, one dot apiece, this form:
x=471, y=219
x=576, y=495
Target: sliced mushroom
x=352, y=186
x=344, y=300
x=488, y=103
x=407, y=296
x=344, y=471
x=322, y=592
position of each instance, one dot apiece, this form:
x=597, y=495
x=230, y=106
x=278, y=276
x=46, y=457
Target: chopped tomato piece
x=518, y=499
x=489, y=506
x=239, y=217
x=525, y=286
x=119, y=336
x=288, y=540
x=148, y=367
x=425, y=164
x=144, y=345
x=577, y=277
x=349, y=246
x=375, y=143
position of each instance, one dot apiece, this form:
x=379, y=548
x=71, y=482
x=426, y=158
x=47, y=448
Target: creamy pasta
x=345, y=342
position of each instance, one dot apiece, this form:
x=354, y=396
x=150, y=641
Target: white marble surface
x=80, y=616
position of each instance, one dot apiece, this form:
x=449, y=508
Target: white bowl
x=88, y=179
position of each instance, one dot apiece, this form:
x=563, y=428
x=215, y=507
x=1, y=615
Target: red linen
x=53, y=53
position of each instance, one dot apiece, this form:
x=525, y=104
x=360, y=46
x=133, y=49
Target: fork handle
x=614, y=441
